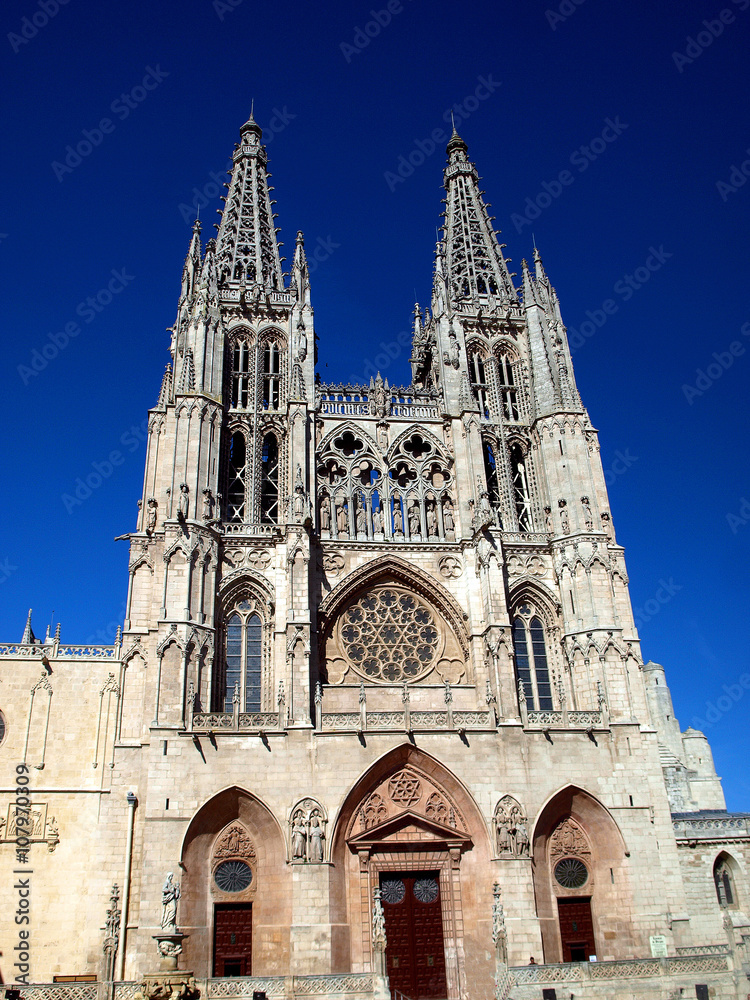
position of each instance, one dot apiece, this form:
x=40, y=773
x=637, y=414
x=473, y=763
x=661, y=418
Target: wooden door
x=576, y=929
x=233, y=938
x=415, y=952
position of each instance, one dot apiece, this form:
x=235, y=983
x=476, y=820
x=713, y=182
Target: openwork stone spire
x=473, y=260
x=247, y=250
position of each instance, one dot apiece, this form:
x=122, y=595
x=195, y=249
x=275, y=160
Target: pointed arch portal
x=410, y=828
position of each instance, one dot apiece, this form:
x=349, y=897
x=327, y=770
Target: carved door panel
x=233, y=937
x=576, y=929
x=414, y=931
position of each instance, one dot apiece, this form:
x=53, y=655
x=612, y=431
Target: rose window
x=571, y=873
x=426, y=890
x=390, y=636
x=233, y=876
x=392, y=891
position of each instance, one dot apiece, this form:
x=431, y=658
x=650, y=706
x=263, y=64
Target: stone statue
x=448, y=516
x=316, y=837
x=208, y=505
x=183, y=504
x=299, y=836
x=413, y=516
x=588, y=519
x=378, y=921
x=431, y=521
x=361, y=520
x=169, y=895
x=564, y=518
x=342, y=521
x=398, y=521
x=152, y=508
x=548, y=527
x=503, y=835
x=522, y=840
x=377, y=521
x=325, y=514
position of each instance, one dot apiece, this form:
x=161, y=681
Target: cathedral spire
x=474, y=264
x=247, y=250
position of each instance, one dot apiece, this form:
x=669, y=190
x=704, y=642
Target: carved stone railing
x=237, y=528
x=229, y=722
x=290, y=987
x=710, y=827
x=703, y=949
x=637, y=968
x=525, y=537
x=358, y=400
x=564, y=720
x=405, y=721
x=59, y=991
x=54, y=650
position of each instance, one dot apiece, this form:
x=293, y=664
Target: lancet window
x=493, y=483
x=240, y=668
x=724, y=882
x=242, y=375
x=478, y=374
x=271, y=375
x=236, y=490
x=269, y=480
x=532, y=668
x=506, y=386
x=521, y=492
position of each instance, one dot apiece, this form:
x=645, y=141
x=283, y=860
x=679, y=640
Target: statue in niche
x=299, y=836
x=398, y=520
x=183, y=504
x=431, y=521
x=502, y=831
x=448, y=516
x=588, y=519
x=361, y=520
x=511, y=831
x=325, y=513
x=152, y=508
x=342, y=520
x=564, y=518
x=301, y=341
x=548, y=527
x=377, y=521
x=413, y=516
x=316, y=837
x=208, y=505
x=607, y=525
x=169, y=895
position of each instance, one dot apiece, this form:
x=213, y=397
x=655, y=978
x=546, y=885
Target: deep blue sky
x=344, y=119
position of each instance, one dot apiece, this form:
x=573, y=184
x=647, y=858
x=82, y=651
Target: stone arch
x=424, y=433
x=369, y=444
x=438, y=827
x=608, y=884
x=727, y=878
x=272, y=894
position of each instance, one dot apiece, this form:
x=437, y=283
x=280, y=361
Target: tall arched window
x=271, y=376
x=507, y=388
x=490, y=471
x=521, y=494
x=241, y=396
x=724, y=882
x=479, y=384
x=236, y=480
x=243, y=653
x=269, y=480
x=531, y=659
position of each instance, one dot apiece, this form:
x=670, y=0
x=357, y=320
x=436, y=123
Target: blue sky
x=613, y=133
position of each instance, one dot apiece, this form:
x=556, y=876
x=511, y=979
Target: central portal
x=414, y=932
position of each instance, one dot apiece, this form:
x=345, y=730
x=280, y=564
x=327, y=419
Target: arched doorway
x=410, y=828
x=581, y=880
x=236, y=897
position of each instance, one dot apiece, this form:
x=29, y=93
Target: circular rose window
x=390, y=636
x=233, y=876
x=571, y=873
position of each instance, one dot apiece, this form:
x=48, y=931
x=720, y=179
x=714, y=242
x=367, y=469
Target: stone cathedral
x=377, y=722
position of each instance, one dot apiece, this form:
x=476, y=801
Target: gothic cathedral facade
x=378, y=704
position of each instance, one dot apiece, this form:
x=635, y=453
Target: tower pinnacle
x=247, y=248
x=474, y=262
